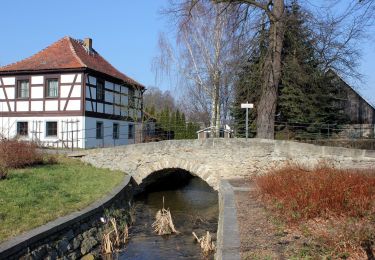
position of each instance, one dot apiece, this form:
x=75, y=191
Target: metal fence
x=71, y=135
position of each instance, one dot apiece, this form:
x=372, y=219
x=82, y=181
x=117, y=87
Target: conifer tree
x=307, y=98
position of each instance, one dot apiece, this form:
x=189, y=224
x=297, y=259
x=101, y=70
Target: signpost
x=247, y=106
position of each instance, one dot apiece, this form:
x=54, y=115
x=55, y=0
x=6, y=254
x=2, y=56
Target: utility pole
x=247, y=105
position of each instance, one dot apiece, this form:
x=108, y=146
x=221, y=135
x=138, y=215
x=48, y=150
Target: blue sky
x=125, y=32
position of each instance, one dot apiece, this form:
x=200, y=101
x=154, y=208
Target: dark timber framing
x=117, y=105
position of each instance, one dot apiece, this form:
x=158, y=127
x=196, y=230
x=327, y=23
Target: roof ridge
x=75, y=53
x=32, y=56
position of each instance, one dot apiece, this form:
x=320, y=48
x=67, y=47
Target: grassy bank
x=30, y=197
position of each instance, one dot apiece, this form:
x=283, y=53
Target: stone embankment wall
x=216, y=159
x=69, y=237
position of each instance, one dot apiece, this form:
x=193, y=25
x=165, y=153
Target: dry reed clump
x=205, y=243
x=113, y=238
x=163, y=224
x=301, y=194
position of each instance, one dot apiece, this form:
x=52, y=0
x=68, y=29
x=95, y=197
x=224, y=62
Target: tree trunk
x=215, y=107
x=271, y=74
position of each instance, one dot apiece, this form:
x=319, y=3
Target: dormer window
x=23, y=88
x=52, y=88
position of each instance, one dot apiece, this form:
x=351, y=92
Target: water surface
x=194, y=207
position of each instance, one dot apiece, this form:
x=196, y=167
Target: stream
x=194, y=207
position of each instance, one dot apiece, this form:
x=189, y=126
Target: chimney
x=87, y=42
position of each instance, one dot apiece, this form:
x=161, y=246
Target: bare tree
x=335, y=34
x=156, y=99
x=204, y=57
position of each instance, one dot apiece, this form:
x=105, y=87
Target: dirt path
x=261, y=236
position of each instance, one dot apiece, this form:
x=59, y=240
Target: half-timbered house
x=69, y=95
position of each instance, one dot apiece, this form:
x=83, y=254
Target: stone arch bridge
x=216, y=159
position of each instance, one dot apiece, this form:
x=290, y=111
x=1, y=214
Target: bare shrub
x=335, y=206
x=3, y=172
x=301, y=194
x=17, y=153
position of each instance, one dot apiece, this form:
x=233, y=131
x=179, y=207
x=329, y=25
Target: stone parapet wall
x=216, y=159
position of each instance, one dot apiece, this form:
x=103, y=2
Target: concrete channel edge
x=228, y=239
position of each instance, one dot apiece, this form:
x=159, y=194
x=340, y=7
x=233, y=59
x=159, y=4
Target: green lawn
x=33, y=196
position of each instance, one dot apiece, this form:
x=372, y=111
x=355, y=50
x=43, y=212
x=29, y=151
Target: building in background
x=360, y=113
x=68, y=95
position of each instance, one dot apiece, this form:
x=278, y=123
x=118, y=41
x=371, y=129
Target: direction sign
x=247, y=105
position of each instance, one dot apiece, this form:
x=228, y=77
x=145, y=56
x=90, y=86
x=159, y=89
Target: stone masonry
x=216, y=159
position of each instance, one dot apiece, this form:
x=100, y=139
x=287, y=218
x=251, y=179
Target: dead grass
x=336, y=207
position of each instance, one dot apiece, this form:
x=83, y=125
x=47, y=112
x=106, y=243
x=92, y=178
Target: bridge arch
x=149, y=169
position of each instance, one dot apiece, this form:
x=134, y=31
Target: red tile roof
x=68, y=53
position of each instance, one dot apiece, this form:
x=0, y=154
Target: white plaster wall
x=37, y=130
x=64, y=91
x=22, y=106
x=79, y=78
x=67, y=78
x=108, y=96
x=9, y=80
x=10, y=92
x=51, y=105
x=36, y=105
x=4, y=107
x=90, y=138
x=108, y=85
x=109, y=109
x=88, y=106
x=76, y=91
x=99, y=107
x=37, y=92
x=92, y=80
x=2, y=95
x=73, y=105
x=88, y=92
x=37, y=80
x=93, y=93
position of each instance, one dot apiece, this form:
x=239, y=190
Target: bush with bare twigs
x=336, y=206
x=3, y=172
x=16, y=153
x=301, y=194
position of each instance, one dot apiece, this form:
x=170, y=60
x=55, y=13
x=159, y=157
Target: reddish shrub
x=301, y=194
x=3, y=172
x=16, y=154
